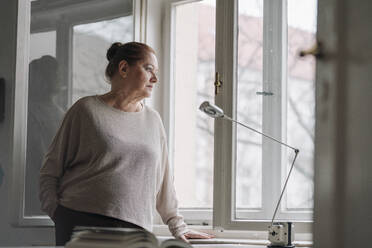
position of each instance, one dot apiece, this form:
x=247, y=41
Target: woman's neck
x=122, y=101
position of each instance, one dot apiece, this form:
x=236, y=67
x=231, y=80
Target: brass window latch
x=316, y=50
x=217, y=84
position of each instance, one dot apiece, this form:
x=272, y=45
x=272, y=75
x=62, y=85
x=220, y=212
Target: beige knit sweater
x=110, y=162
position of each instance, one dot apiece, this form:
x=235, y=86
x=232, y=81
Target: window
x=266, y=86
x=88, y=63
x=301, y=101
x=193, y=139
x=248, y=183
x=58, y=63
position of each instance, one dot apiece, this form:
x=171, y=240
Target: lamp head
x=211, y=110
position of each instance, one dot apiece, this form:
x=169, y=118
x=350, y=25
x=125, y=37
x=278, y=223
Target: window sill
x=232, y=237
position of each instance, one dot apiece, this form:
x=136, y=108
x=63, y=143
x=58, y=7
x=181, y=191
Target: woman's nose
x=154, y=78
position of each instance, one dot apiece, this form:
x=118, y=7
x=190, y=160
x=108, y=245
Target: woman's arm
x=166, y=201
x=59, y=153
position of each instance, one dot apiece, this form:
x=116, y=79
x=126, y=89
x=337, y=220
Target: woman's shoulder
x=156, y=118
x=80, y=106
x=153, y=113
x=84, y=102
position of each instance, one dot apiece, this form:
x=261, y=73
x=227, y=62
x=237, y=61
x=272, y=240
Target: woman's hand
x=192, y=234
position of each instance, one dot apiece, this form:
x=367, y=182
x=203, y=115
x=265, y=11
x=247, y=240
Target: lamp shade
x=211, y=110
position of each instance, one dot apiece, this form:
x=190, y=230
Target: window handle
x=217, y=84
x=316, y=50
x=264, y=93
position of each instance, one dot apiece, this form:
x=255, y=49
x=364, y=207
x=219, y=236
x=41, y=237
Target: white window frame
x=274, y=121
x=17, y=198
x=193, y=216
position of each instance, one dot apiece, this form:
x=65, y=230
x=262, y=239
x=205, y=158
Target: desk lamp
x=280, y=233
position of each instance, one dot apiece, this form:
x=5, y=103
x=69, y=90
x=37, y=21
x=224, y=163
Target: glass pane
x=42, y=44
x=50, y=89
x=44, y=111
x=91, y=42
x=249, y=107
x=194, y=56
x=301, y=103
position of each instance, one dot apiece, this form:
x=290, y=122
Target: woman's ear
x=123, y=68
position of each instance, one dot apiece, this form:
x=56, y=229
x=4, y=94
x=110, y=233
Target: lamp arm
x=296, y=151
x=254, y=130
x=285, y=185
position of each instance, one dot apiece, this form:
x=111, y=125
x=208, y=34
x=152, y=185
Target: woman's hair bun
x=113, y=50
x=131, y=52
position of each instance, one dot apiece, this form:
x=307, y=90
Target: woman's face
x=142, y=76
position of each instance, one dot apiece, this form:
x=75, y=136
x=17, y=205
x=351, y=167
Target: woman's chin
x=148, y=93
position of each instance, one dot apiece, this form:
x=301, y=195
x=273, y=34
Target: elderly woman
x=108, y=164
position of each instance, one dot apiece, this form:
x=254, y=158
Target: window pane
x=44, y=111
x=249, y=107
x=91, y=42
x=50, y=90
x=193, y=71
x=41, y=44
x=301, y=103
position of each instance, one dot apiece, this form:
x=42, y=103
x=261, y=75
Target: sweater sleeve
x=166, y=202
x=60, y=152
